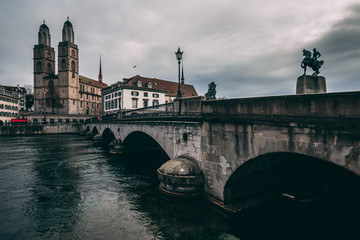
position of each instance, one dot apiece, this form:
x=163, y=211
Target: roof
x=169, y=87
x=68, y=24
x=92, y=82
x=44, y=27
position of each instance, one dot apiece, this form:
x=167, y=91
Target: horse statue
x=312, y=62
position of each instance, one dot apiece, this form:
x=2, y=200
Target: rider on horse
x=311, y=61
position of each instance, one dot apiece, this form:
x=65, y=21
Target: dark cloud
x=247, y=48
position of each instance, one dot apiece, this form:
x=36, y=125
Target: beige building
x=90, y=96
x=61, y=93
x=9, y=105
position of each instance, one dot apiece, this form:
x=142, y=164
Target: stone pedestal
x=310, y=84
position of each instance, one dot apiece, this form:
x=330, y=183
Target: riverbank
x=40, y=129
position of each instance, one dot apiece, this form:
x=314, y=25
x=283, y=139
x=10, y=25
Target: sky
x=248, y=48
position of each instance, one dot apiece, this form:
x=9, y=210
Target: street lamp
x=179, y=57
x=44, y=106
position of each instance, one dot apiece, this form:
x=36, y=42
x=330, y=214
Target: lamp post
x=44, y=106
x=179, y=57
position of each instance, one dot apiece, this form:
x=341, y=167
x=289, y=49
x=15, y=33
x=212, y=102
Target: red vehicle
x=22, y=120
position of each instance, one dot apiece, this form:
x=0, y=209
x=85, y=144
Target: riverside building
x=140, y=92
x=9, y=105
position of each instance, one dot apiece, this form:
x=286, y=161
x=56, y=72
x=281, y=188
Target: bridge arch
x=95, y=131
x=272, y=174
x=143, y=154
x=141, y=141
x=108, y=135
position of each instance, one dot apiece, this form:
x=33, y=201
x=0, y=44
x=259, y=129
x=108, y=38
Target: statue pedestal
x=307, y=84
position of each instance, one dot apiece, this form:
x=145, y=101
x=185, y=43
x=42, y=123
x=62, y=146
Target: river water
x=64, y=187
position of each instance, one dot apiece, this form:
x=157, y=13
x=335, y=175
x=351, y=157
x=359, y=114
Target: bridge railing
x=166, y=109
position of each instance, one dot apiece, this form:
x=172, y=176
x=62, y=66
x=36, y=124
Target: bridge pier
x=180, y=177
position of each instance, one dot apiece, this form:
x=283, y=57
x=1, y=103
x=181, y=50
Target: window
x=63, y=64
x=139, y=83
x=134, y=103
x=80, y=103
x=155, y=102
x=73, y=102
x=149, y=85
x=145, y=94
x=155, y=95
x=146, y=103
x=116, y=94
x=38, y=67
x=119, y=94
x=48, y=68
x=133, y=93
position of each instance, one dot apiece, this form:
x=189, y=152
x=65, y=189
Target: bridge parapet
x=345, y=105
x=188, y=106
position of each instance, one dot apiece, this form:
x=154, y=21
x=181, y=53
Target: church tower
x=44, y=66
x=68, y=71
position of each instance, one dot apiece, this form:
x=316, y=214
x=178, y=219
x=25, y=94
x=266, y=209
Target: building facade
x=61, y=93
x=9, y=105
x=90, y=96
x=139, y=92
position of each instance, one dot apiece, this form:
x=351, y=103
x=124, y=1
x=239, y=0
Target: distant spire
x=68, y=18
x=182, y=72
x=44, y=21
x=100, y=74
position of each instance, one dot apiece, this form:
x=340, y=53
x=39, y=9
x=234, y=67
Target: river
x=64, y=187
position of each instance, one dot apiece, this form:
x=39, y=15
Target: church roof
x=43, y=27
x=158, y=84
x=68, y=24
x=89, y=81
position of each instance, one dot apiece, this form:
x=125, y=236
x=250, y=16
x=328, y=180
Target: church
x=66, y=92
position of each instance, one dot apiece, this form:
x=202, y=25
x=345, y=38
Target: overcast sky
x=248, y=48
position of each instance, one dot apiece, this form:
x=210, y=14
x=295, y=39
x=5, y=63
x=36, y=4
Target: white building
x=9, y=105
x=139, y=92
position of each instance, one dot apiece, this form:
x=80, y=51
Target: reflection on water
x=62, y=187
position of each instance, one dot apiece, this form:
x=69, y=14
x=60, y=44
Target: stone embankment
x=40, y=129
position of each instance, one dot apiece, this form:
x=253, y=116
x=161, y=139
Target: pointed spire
x=100, y=74
x=44, y=21
x=182, y=72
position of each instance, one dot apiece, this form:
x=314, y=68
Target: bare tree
x=52, y=97
x=28, y=88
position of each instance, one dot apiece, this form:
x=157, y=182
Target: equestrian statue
x=311, y=61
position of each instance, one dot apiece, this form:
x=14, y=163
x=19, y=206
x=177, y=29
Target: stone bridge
x=257, y=146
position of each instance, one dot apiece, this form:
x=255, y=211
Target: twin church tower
x=66, y=92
